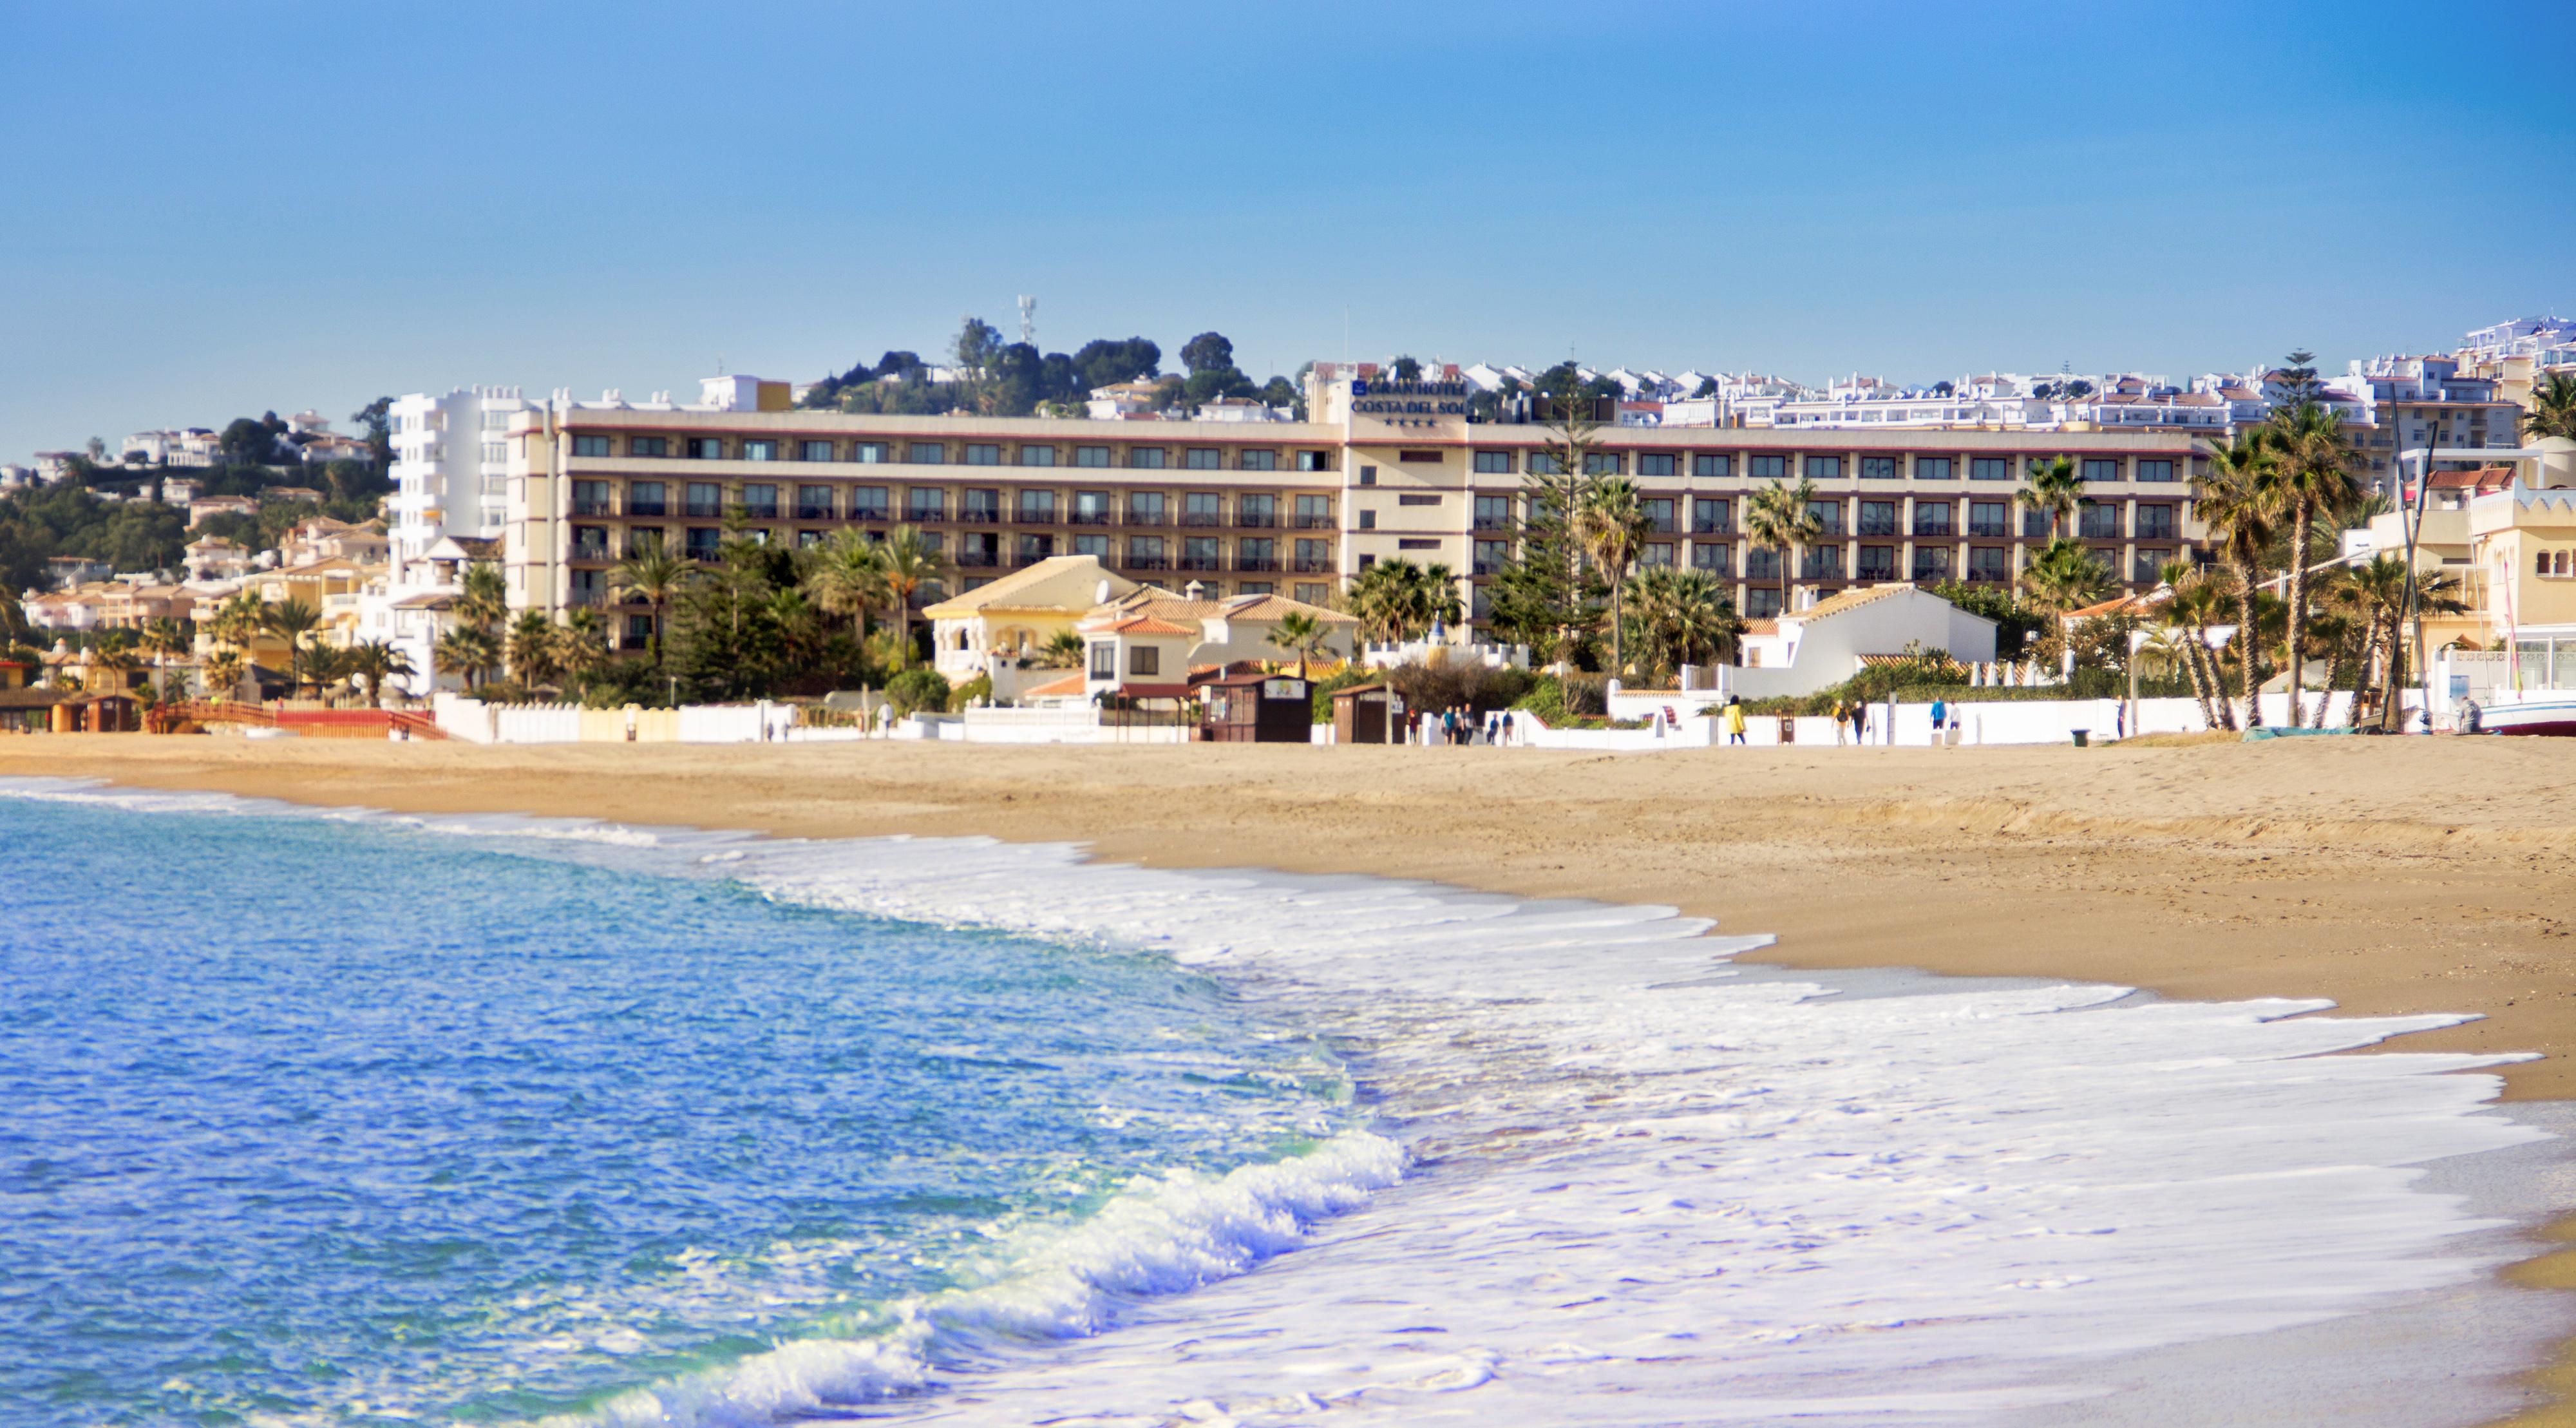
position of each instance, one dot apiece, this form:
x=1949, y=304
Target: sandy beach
x=2393, y=876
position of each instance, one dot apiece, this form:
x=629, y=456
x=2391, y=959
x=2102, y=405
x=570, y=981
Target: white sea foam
x=1647, y=1190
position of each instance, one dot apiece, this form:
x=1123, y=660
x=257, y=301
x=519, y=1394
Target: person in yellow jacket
x=1734, y=720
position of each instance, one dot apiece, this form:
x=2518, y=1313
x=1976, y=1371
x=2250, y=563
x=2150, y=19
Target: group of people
x=1851, y=716
x=1459, y=727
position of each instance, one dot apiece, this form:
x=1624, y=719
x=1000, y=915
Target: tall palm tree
x=2062, y=578
x=483, y=596
x=2191, y=598
x=1680, y=617
x=166, y=637
x=2553, y=408
x=2056, y=489
x=296, y=623
x=1612, y=525
x=581, y=641
x=1782, y=517
x=223, y=674
x=2237, y=503
x=375, y=661
x=655, y=576
x=907, y=567
x=469, y=650
x=845, y=577
x=1302, y=635
x=2312, y=474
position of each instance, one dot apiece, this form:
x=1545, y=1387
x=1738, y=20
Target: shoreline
x=2215, y=872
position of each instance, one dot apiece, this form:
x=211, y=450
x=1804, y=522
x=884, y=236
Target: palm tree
x=469, y=650
x=1063, y=650
x=1782, y=517
x=13, y=617
x=2553, y=408
x=532, y=648
x=320, y=665
x=2062, y=578
x=1300, y=634
x=374, y=662
x=2191, y=597
x=1611, y=523
x=846, y=576
x=223, y=674
x=655, y=576
x=907, y=566
x=294, y=622
x=2312, y=473
x=1680, y=617
x=2237, y=504
x=483, y=597
x=166, y=637
x=581, y=641
x=2057, y=489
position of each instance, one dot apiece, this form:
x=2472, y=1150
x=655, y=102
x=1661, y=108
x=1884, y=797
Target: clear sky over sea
x=210, y=210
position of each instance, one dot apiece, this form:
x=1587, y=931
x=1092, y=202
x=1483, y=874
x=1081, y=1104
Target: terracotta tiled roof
x=1069, y=684
x=1848, y=600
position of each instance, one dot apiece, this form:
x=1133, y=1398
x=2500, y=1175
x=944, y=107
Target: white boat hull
x=2549, y=715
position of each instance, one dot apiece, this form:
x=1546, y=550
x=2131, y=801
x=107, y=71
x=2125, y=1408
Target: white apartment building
x=450, y=469
x=185, y=446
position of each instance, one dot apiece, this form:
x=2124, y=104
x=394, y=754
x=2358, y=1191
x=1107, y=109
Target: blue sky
x=208, y=210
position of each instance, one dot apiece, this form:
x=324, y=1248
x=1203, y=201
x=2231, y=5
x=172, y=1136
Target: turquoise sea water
x=318, y=1121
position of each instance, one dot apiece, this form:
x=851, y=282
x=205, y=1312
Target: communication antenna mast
x=1028, y=319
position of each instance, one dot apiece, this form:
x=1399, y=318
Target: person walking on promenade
x=1734, y=720
x=1842, y=722
x=1860, y=721
x=1507, y=728
x=1940, y=720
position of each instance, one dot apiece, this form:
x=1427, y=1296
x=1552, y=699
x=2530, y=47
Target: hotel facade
x=1386, y=470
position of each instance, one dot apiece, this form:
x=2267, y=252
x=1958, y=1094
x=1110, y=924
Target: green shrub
x=980, y=687
x=917, y=688
x=1343, y=678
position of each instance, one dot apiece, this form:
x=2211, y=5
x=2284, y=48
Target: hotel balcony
x=978, y=559
x=1255, y=522
x=1202, y=518
x=1311, y=565
x=1256, y=562
x=1323, y=522
x=594, y=508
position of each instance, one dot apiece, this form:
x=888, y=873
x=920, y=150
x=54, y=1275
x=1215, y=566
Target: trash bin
x=2079, y=738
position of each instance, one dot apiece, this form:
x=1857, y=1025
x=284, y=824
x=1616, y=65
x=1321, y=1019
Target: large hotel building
x=1385, y=470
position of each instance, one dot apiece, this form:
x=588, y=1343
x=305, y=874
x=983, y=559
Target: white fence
x=1676, y=723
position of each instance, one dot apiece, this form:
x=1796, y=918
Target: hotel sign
x=1389, y=398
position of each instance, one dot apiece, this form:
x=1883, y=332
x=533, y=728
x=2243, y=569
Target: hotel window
x=1762, y=601
x=1821, y=562
x=706, y=448
x=1034, y=548
x=706, y=498
x=1314, y=555
x=1199, y=553
x=2035, y=524
x=1092, y=508
x=703, y=542
x=2155, y=523
x=496, y=452
x=1932, y=518
x=1202, y=508
x=1104, y=660
x=1144, y=508
x=925, y=503
x=760, y=502
x=926, y=453
x=1256, y=553
x=1490, y=556
x=983, y=453
x=1542, y=464
x=639, y=631
x=1256, y=512
x=1877, y=562
x=981, y=504
x=1654, y=463
x=1658, y=513
x=760, y=451
x=1761, y=562
x=590, y=498
x=1145, y=552
x=931, y=541
x=814, y=451
x=1493, y=463
x=1829, y=516
x=1417, y=500
x=644, y=498
x=1878, y=468
x=1767, y=468
x=1203, y=458
x=808, y=539
x=1037, y=455
x=1989, y=468
x=1095, y=546
x=1418, y=458
x=868, y=503
x=1417, y=543
x=1989, y=519
x=1037, y=508
x=642, y=539
x=2098, y=470
x=1144, y=659
x=2149, y=567
x=590, y=542
x=1601, y=463
x=1314, y=594
x=590, y=446
x=1314, y=461
x=1253, y=587
x=2155, y=470
x=1258, y=459
x=1368, y=475
x=648, y=446
x=813, y=503
x=1932, y=562
x=1314, y=513
x=1714, y=558
x=1989, y=562
x=1706, y=464
x=868, y=453
x=1824, y=468
x=1878, y=518
x=2098, y=520
x=1145, y=458
x=1655, y=553
x=1493, y=513
x=1368, y=520
x=1932, y=468
x=1712, y=516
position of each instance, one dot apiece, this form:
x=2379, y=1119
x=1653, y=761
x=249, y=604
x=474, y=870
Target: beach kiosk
x=1367, y=714
x=1257, y=708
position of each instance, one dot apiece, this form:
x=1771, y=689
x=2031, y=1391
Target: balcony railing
x=1491, y=523
x=703, y=552
x=871, y=513
x=594, y=508
x=1717, y=528
x=590, y=550
x=923, y=515
x=1875, y=527
x=1875, y=570
x=1033, y=516
x=1660, y=525
x=1308, y=521
x=1256, y=562
x=1081, y=517
x=1202, y=518
x=1990, y=530
x=1023, y=558
x=1311, y=564
x=1925, y=530
x=1485, y=567
x=1146, y=518
x=760, y=513
x=978, y=559
x=1147, y=562
x=1202, y=562
x=813, y=513
x=704, y=510
x=1256, y=520
x=980, y=516
x=647, y=508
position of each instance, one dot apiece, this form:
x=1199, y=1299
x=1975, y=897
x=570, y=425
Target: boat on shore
x=2552, y=713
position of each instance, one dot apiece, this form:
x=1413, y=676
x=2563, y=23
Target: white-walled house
x=997, y=629
x=1148, y=642
x=1816, y=648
